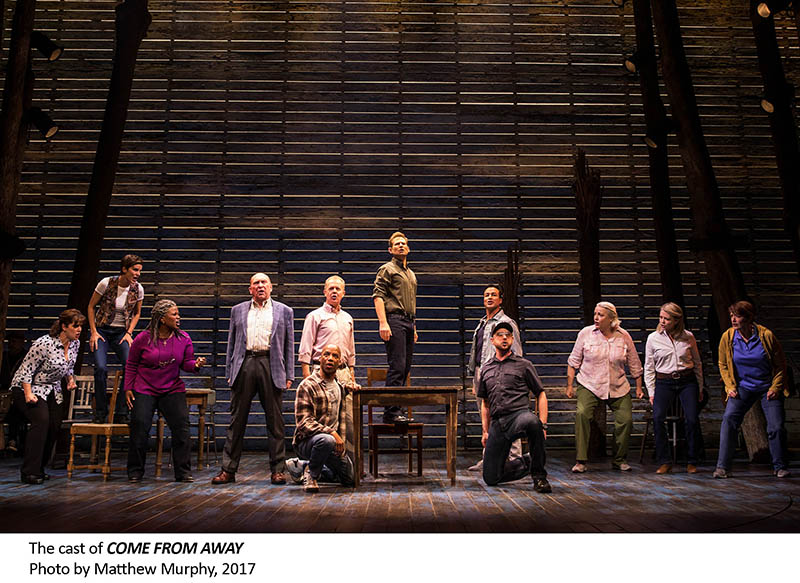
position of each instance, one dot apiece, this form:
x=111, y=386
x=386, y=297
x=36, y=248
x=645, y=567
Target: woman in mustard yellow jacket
x=753, y=367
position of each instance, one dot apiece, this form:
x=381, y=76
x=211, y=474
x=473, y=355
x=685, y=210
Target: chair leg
x=93, y=452
x=70, y=464
x=644, y=440
x=410, y=455
x=419, y=452
x=373, y=456
x=107, y=463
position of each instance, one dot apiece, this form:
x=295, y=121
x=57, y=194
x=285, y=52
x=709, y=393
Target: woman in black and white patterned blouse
x=37, y=390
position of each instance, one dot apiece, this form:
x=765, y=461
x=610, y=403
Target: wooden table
x=197, y=397
x=404, y=396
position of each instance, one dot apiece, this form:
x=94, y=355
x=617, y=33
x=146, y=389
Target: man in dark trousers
x=395, y=299
x=260, y=361
x=319, y=410
x=504, y=385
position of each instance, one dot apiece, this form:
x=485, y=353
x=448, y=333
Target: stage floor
x=601, y=500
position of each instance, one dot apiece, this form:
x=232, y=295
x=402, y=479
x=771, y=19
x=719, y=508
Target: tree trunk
x=132, y=22
x=655, y=116
x=12, y=139
x=588, y=197
x=711, y=237
x=781, y=121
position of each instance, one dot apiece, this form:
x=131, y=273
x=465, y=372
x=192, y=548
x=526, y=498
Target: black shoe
x=31, y=479
x=187, y=478
x=45, y=476
x=402, y=419
x=134, y=479
x=542, y=486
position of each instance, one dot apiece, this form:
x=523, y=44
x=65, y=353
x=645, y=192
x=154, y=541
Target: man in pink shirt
x=329, y=324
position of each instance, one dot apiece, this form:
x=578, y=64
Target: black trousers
x=45, y=419
x=399, y=352
x=497, y=468
x=176, y=413
x=255, y=378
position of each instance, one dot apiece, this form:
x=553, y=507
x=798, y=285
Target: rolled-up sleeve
x=634, y=362
x=649, y=367
x=382, y=283
x=31, y=363
x=575, y=359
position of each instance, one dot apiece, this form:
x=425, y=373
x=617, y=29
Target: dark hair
x=66, y=318
x=743, y=309
x=496, y=286
x=129, y=261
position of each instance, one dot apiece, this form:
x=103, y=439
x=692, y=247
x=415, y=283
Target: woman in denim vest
x=113, y=313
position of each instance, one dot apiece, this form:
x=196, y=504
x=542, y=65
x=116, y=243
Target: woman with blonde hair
x=673, y=370
x=600, y=355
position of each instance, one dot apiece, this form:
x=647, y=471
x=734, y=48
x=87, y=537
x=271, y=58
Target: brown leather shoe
x=223, y=477
x=664, y=469
x=277, y=478
x=691, y=469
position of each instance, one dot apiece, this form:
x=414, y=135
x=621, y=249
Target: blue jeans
x=735, y=410
x=323, y=461
x=667, y=390
x=112, y=337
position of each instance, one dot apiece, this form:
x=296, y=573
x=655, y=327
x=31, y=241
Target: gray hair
x=160, y=308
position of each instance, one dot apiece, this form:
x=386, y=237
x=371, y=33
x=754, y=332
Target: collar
x=399, y=262
x=511, y=356
x=254, y=306
x=740, y=336
x=329, y=308
x=496, y=316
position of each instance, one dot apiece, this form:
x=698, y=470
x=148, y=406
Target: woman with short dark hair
x=153, y=381
x=113, y=313
x=36, y=389
x=753, y=367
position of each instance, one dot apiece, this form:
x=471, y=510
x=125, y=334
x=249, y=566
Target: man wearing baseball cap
x=505, y=383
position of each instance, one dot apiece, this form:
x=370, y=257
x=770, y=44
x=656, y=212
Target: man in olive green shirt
x=395, y=298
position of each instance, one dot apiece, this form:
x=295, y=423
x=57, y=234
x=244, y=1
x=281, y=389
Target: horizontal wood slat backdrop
x=293, y=137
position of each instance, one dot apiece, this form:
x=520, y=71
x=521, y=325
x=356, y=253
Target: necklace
x=164, y=362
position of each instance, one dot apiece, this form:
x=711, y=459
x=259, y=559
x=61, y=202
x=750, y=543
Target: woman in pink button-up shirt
x=599, y=356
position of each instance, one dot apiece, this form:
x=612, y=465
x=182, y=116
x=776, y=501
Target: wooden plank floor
x=601, y=500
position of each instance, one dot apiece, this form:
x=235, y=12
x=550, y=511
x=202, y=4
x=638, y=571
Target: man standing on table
x=482, y=350
x=321, y=426
x=395, y=299
x=505, y=383
x=260, y=361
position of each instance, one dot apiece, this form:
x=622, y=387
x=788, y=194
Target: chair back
x=114, y=393
x=80, y=398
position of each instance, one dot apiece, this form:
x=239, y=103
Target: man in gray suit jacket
x=260, y=361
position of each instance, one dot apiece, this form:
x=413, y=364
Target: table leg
x=358, y=462
x=201, y=433
x=452, y=411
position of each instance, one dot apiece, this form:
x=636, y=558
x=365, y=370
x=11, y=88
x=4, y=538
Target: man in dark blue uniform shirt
x=505, y=383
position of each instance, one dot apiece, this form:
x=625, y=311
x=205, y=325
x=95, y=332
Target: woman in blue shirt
x=753, y=368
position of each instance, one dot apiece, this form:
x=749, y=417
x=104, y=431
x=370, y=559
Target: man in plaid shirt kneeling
x=319, y=434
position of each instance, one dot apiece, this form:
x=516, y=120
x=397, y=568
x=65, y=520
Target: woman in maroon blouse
x=153, y=380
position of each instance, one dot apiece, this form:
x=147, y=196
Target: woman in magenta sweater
x=153, y=381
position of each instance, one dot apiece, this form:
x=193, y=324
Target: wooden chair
x=96, y=430
x=80, y=400
x=375, y=375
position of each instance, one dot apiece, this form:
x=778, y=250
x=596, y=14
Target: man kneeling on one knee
x=321, y=428
x=505, y=383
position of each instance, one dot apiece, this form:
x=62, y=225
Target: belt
x=256, y=353
x=675, y=376
x=403, y=314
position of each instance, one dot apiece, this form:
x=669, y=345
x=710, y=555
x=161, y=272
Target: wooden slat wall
x=293, y=137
